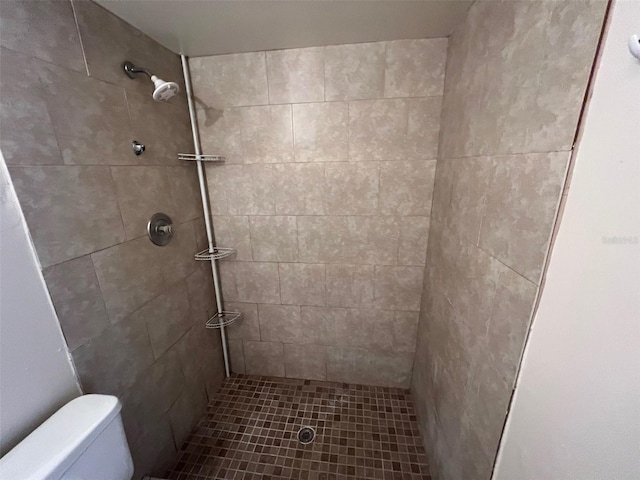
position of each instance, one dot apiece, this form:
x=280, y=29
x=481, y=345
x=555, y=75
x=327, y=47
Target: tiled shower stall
x=326, y=195
x=391, y=205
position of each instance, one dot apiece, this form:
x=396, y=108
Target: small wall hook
x=634, y=46
x=137, y=147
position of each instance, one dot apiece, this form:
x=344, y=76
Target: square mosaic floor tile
x=250, y=431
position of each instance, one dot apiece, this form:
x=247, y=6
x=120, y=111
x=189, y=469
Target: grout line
x=84, y=55
x=348, y=130
x=266, y=73
x=293, y=135
x=311, y=102
x=324, y=73
x=279, y=285
x=384, y=70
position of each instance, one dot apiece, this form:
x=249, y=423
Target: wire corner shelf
x=202, y=158
x=223, y=319
x=218, y=253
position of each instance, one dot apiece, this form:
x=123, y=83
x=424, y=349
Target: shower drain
x=306, y=435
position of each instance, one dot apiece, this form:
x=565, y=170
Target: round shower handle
x=160, y=229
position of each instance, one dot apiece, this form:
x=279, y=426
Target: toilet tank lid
x=56, y=444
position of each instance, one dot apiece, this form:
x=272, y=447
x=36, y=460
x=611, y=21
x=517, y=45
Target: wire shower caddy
x=222, y=318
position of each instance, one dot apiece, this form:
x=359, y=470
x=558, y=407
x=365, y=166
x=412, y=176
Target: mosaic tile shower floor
x=250, y=432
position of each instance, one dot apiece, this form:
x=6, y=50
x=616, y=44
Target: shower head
x=163, y=91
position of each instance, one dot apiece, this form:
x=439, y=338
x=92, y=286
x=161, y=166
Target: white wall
x=576, y=410
x=36, y=375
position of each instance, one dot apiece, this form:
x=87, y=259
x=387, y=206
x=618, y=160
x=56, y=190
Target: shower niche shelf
x=218, y=254
x=202, y=158
x=222, y=319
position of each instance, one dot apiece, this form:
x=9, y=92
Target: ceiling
x=212, y=27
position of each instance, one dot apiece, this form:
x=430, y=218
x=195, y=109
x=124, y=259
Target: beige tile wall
x=326, y=195
x=515, y=82
x=131, y=312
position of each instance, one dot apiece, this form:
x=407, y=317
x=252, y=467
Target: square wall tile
x=469, y=282
x=321, y=132
x=236, y=356
x=415, y=68
x=280, y=323
x=221, y=132
x=247, y=328
x=305, y=361
x=354, y=71
x=367, y=367
x=520, y=209
x=241, y=189
x=302, y=284
x=201, y=233
x=129, y=274
x=71, y=211
x=28, y=136
x=530, y=106
x=250, y=282
x=153, y=450
x=87, y=113
x=405, y=331
x=350, y=285
x=364, y=240
x=274, y=239
x=183, y=418
x=267, y=134
x=111, y=362
x=223, y=81
x=199, y=354
x=155, y=390
x=414, y=238
x=76, y=295
x=365, y=328
x=464, y=183
x=394, y=129
x=510, y=317
x=406, y=188
x=318, y=324
x=423, y=128
x=233, y=232
x=201, y=293
x=27, y=27
x=296, y=75
x=378, y=130
x=185, y=192
x=142, y=191
x=373, y=239
x=299, y=189
x=217, y=179
x=167, y=317
x=352, y=188
x=398, y=288
x=485, y=411
x=264, y=358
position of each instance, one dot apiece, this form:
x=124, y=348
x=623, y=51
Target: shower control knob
x=160, y=229
x=163, y=229
x=137, y=147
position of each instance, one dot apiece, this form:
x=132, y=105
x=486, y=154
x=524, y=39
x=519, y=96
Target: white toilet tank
x=84, y=440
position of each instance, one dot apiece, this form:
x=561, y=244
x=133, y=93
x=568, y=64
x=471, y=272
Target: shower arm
x=131, y=70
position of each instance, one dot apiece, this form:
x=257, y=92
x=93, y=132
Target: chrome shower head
x=163, y=91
